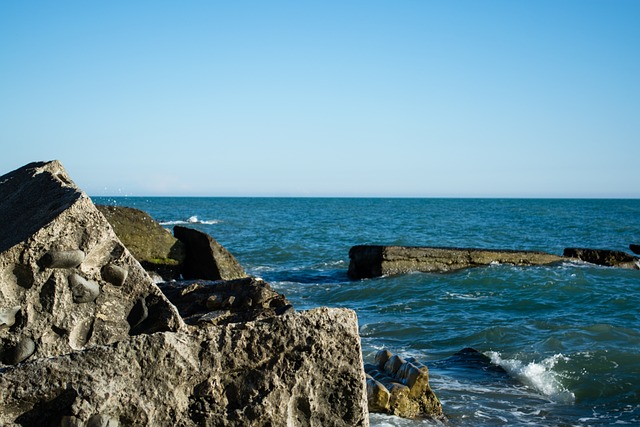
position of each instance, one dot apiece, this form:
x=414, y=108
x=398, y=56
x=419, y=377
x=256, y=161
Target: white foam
x=192, y=220
x=538, y=375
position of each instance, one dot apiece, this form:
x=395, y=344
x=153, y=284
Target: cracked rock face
x=66, y=281
x=299, y=369
x=87, y=339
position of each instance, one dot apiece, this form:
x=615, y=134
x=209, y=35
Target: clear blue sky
x=510, y=98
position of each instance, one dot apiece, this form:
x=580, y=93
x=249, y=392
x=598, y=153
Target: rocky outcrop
x=206, y=258
x=87, y=339
x=603, y=257
x=66, y=280
x=401, y=387
x=635, y=249
x=300, y=369
x=374, y=261
x=150, y=243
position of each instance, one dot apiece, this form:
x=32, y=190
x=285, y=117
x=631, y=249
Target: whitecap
x=539, y=375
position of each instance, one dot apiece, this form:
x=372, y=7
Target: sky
x=394, y=98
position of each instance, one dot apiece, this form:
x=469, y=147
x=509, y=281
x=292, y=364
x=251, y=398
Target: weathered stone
x=45, y=222
x=603, y=257
x=374, y=261
x=230, y=301
x=62, y=259
x=635, y=248
x=114, y=274
x=303, y=369
x=407, y=386
x=8, y=316
x=149, y=242
x=206, y=258
x=83, y=290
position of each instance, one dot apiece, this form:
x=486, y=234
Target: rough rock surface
x=401, y=387
x=89, y=340
x=206, y=258
x=66, y=280
x=152, y=245
x=603, y=257
x=300, y=369
x=374, y=261
x=223, y=302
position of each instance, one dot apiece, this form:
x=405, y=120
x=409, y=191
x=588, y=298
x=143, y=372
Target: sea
x=559, y=345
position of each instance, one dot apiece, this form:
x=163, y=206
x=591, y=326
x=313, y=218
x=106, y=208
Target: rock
x=302, y=369
x=149, y=242
x=635, y=248
x=223, y=302
x=54, y=244
x=374, y=261
x=401, y=387
x=603, y=257
x=206, y=258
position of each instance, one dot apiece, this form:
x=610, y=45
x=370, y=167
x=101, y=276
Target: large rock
x=603, y=257
x=374, y=261
x=89, y=340
x=300, y=369
x=66, y=280
x=635, y=249
x=206, y=258
x=149, y=242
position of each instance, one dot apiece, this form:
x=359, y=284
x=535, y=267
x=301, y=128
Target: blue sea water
x=567, y=335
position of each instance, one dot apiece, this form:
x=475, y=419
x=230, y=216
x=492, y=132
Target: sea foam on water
x=538, y=375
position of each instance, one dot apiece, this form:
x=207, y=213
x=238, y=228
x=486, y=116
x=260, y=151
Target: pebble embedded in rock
x=8, y=316
x=62, y=259
x=83, y=290
x=114, y=274
x=21, y=352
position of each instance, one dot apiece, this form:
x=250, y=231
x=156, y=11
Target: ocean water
x=567, y=337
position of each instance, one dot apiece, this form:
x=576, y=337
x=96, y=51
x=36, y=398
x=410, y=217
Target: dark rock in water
x=635, y=248
x=401, y=387
x=603, y=257
x=206, y=258
x=471, y=364
x=374, y=261
x=232, y=301
x=53, y=245
x=149, y=242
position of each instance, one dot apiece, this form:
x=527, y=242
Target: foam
x=538, y=375
x=191, y=220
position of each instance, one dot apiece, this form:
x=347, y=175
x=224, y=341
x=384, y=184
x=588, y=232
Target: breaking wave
x=191, y=220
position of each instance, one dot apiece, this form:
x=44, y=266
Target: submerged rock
x=374, y=261
x=604, y=257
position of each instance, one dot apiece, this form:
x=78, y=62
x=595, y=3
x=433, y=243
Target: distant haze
x=326, y=98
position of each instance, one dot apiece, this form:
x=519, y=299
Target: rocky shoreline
x=87, y=338
x=108, y=319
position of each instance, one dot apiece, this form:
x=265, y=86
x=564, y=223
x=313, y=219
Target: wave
x=191, y=220
x=539, y=375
